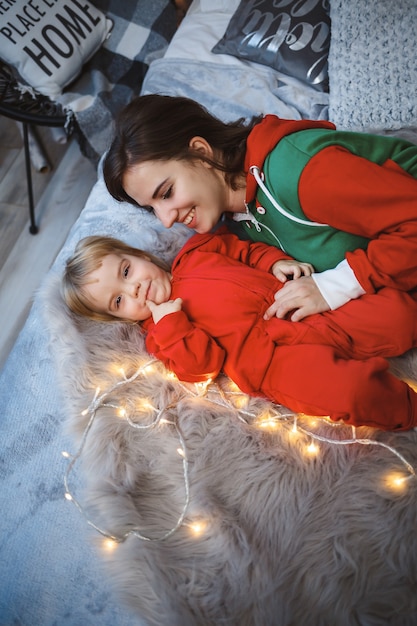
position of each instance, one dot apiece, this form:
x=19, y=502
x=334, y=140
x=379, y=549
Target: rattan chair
x=28, y=110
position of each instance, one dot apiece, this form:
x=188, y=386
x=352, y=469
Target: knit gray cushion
x=372, y=64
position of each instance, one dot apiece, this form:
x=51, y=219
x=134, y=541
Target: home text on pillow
x=55, y=42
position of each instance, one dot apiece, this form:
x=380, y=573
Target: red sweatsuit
x=327, y=364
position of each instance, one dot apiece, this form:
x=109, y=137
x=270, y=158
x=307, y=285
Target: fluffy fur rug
x=289, y=539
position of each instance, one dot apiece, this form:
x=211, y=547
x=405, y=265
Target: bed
x=129, y=498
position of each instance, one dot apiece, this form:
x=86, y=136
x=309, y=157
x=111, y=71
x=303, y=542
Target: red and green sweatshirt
x=359, y=191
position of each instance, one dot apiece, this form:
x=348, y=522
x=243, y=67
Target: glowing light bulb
x=202, y=387
x=181, y=452
x=240, y=402
x=121, y=412
x=146, y=405
x=109, y=545
x=294, y=429
x=68, y=496
x=65, y=454
x=198, y=527
x=396, y=481
x=268, y=423
x=312, y=449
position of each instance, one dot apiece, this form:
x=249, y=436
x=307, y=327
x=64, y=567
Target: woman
x=345, y=202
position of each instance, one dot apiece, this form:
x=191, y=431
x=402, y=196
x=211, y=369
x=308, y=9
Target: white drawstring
x=247, y=217
x=254, y=170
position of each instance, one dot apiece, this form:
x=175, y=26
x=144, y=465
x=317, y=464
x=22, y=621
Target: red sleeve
x=255, y=254
x=184, y=349
x=356, y=195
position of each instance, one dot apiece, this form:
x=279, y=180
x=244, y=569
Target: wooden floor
x=60, y=194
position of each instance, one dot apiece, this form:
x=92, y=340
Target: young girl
x=346, y=202
x=206, y=315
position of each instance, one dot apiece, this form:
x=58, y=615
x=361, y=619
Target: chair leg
x=33, y=229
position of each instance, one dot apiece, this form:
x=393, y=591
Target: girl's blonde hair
x=88, y=257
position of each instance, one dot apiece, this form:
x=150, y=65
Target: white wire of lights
x=98, y=401
x=224, y=400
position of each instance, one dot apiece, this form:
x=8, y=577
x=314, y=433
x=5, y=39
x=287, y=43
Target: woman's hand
x=165, y=308
x=301, y=296
x=285, y=268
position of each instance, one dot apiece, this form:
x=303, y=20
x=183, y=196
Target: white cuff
x=338, y=285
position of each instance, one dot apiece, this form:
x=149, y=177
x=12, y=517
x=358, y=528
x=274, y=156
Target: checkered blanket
x=141, y=33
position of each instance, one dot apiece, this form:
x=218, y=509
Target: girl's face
x=194, y=194
x=122, y=285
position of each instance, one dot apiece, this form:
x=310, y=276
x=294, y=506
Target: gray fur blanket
x=289, y=534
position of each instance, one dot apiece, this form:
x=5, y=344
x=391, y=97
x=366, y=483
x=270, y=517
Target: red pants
x=333, y=364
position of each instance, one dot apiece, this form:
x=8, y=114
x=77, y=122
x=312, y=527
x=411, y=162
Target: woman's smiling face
x=190, y=193
x=122, y=285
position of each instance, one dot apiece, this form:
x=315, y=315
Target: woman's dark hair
x=159, y=128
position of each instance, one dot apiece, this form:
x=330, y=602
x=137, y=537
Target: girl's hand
x=301, y=296
x=165, y=308
x=285, y=268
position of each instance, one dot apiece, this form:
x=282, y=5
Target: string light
x=231, y=399
x=312, y=449
x=198, y=527
x=397, y=481
x=109, y=545
x=268, y=423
